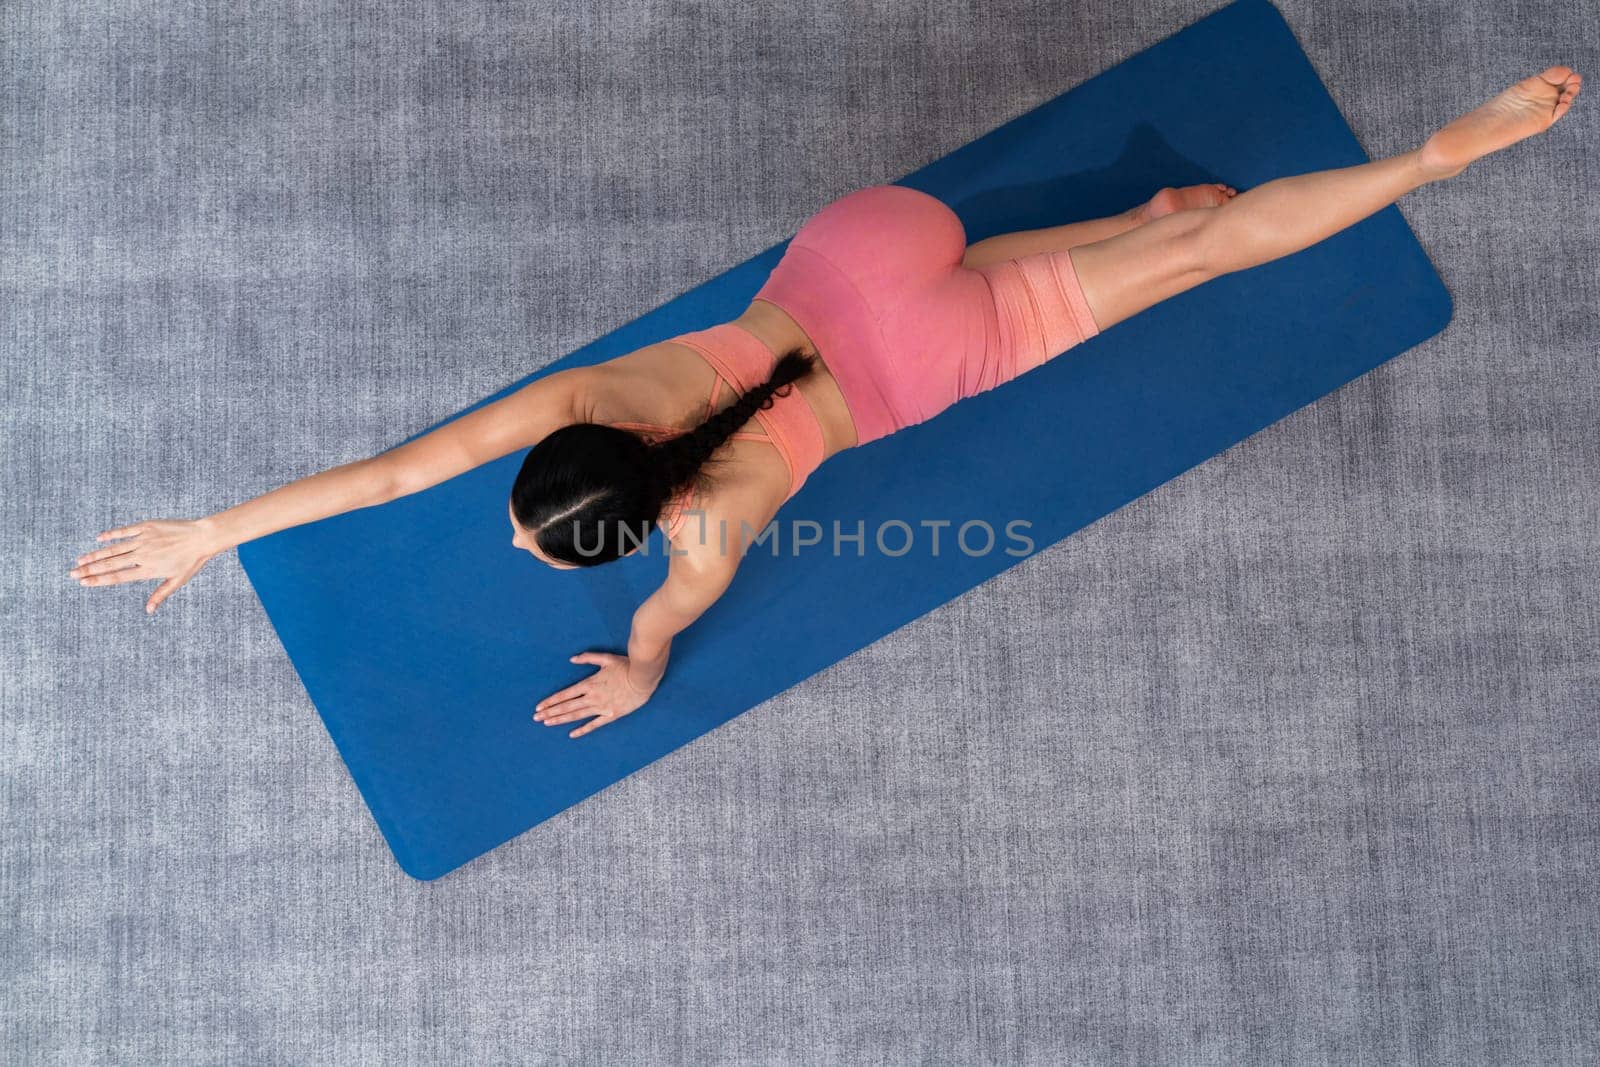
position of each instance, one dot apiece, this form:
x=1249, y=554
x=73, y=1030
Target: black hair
x=590, y=494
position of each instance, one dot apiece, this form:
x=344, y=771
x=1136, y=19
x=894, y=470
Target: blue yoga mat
x=427, y=683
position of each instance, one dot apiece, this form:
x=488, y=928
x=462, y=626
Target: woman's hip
x=980, y=328
x=886, y=235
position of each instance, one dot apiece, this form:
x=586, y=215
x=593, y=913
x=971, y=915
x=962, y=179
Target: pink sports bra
x=743, y=361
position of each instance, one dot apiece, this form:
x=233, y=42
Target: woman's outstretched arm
x=176, y=549
x=696, y=577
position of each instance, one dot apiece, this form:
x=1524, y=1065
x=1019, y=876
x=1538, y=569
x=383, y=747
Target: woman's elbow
x=382, y=480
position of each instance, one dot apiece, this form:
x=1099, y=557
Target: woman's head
x=588, y=494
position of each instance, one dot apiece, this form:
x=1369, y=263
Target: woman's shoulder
x=642, y=384
x=741, y=500
x=668, y=354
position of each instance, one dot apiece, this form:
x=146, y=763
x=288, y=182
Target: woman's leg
x=1060, y=238
x=1123, y=274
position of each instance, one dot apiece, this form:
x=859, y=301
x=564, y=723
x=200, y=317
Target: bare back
x=667, y=383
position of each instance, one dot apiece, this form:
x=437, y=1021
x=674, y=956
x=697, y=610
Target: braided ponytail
x=590, y=494
x=677, y=462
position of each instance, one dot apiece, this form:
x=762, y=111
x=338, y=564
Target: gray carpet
x=1296, y=760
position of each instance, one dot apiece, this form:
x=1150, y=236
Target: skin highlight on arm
x=492, y=431
x=174, y=550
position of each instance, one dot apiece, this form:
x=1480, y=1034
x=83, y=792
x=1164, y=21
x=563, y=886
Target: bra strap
x=745, y=362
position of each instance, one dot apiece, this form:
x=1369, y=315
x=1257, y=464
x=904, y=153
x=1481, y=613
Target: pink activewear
x=743, y=361
x=876, y=281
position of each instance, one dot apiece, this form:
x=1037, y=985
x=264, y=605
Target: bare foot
x=1531, y=106
x=1168, y=200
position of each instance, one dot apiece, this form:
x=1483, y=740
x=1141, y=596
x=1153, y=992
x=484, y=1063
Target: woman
x=884, y=316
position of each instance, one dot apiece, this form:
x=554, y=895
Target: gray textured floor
x=1294, y=761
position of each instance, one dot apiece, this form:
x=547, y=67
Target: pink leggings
x=875, y=280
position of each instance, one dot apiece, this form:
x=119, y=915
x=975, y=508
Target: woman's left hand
x=605, y=696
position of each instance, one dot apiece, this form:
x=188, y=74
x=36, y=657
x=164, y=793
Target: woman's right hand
x=172, y=549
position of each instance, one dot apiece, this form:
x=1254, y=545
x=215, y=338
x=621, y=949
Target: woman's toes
x=1569, y=93
x=1557, y=74
x=1188, y=198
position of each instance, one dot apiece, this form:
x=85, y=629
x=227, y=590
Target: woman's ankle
x=1429, y=169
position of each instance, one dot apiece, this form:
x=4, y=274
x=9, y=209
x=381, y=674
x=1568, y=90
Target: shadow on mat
x=1146, y=163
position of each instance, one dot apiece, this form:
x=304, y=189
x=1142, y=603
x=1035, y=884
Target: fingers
x=109, y=561
x=580, y=700
x=164, y=590
x=580, y=710
x=105, y=553
x=131, y=573
x=593, y=724
x=577, y=689
x=123, y=531
x=546, y=712
x=571, y=692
